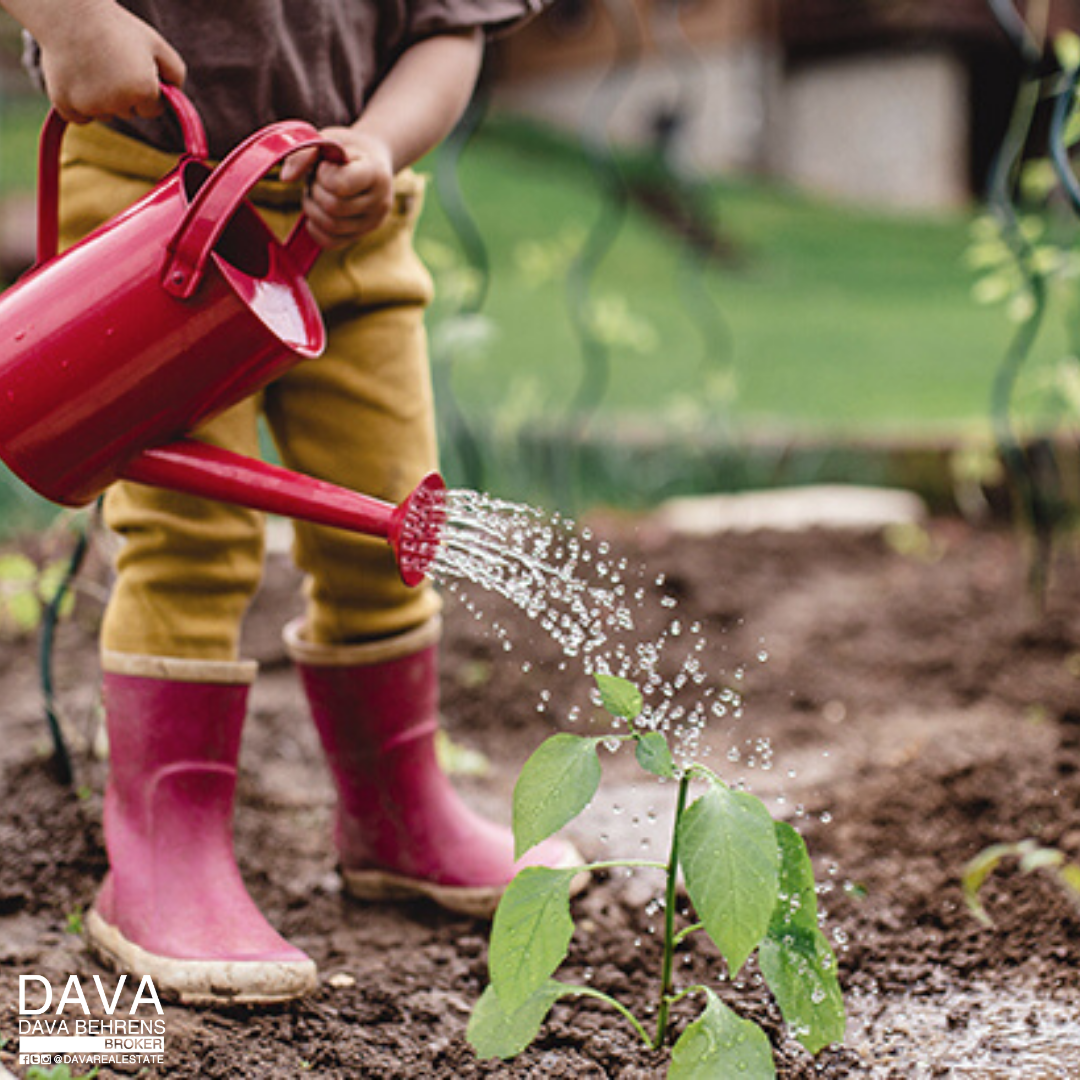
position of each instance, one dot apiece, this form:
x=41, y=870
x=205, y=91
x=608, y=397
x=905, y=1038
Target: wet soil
x=906, y=704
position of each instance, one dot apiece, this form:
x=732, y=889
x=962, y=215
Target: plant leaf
x=720, y=1044
x=20, y=609
x=1067, y=49
x=1070, y=878
x=555, y=785
x=1034, y=858
x=729, y=854
x=17, y=568
x=795, y=956
x=977, y=870
x=1071, y=135
x=620, y=697
x=800, y=969
x=654, y=754
x=531, y=933
x=495, y=1031
x=20, y=612
x=1038, y=178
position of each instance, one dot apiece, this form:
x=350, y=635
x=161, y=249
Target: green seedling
x=74, y=922
x=1032, y=858
x=749, y=880
x=58, y=1072
x=25, y=590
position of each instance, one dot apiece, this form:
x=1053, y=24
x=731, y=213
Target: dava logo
x=73, y=995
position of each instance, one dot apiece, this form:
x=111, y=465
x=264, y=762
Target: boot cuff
x=179, y=669
x=362, y=654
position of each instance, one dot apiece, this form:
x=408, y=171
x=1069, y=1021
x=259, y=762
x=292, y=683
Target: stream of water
x=588, y=601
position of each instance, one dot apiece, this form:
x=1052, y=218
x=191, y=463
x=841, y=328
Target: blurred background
x=709, y=245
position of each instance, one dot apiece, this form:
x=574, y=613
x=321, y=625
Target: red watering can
x=163, y=317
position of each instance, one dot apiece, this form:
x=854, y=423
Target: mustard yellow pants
x=361, y=415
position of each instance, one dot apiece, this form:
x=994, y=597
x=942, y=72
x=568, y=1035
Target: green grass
x=841, y=321
x=20, y=122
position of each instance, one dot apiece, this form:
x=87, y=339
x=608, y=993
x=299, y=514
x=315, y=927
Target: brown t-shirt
x=252, y=62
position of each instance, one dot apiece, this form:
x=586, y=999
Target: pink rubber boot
x=402, y=830
x=173, y=905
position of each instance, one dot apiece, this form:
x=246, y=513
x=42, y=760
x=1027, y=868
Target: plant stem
x=696, y=988
x=685, y=933
x=588, y=991
x=705, y=772
x=664, y=1009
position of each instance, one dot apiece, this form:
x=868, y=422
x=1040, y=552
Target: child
x=386, y=80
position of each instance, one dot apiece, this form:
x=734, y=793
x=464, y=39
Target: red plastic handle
x=226, y=188
x=52, y=134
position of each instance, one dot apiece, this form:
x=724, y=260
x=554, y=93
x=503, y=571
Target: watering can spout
x=413, y=528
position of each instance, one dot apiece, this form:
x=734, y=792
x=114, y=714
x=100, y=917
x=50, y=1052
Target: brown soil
x=917, y=707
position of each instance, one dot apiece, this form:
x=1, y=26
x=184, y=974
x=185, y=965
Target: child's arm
x=100, y=62
x=413, y=109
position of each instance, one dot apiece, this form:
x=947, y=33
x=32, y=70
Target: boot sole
x=480, y=903
x=203, y=982
x=380, y=885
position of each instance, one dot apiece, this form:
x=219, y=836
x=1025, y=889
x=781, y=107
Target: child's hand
x=343, y=202
x=103, y=63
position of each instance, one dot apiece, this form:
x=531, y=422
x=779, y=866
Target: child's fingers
x=351, y=178
x=333, y=229
x=170, y=68
x=336, y=222
x=297, y=166
x=352, y=204
x=331, y=232
x=344, y=200
x=170, y=64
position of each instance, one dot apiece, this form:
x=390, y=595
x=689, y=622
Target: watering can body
x=102, y=363
x=165, y=316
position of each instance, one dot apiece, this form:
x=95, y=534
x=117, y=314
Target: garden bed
x=917, y=707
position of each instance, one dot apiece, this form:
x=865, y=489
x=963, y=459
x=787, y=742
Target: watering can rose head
x=416, y=528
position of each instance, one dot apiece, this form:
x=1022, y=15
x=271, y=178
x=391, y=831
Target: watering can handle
x=52, y=133
x=222, y=194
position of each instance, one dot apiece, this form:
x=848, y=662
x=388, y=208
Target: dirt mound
x=905, y=705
